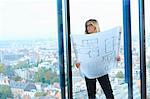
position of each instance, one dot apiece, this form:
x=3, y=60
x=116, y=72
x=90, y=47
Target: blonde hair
x=94, y=23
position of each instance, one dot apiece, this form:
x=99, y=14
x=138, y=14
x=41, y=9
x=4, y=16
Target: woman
x=92, y=26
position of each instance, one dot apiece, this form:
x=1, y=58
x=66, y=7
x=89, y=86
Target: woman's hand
x=77, y=65
x=118, y=58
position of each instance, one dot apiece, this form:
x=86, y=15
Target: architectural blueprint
x=97, y=52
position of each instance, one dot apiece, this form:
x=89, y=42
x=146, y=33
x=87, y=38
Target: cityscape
x=29, y=70
x=29, y=67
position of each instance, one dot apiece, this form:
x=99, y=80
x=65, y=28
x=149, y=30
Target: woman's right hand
x=118, y=58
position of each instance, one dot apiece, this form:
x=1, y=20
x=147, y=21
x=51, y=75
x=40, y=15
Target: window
x=28, y=49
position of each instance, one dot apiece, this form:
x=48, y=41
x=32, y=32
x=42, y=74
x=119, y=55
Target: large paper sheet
x=97, y=52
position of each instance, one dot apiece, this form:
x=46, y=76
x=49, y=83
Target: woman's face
x=90, y=28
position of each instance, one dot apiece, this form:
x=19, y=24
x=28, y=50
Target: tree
x=37, y=77
x=1, y=68
x=17, y=78
x=5, y=92
x=53, y=77
x=9, y=71
x=119, y=74
x=38, y=94
x=45, y=76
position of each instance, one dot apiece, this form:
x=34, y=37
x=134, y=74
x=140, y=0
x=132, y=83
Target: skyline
x=33, y=19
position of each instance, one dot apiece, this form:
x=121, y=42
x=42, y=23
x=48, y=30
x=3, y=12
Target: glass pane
x=28, y=49
x=109, y=13
x=147, y=32
x=135, y=49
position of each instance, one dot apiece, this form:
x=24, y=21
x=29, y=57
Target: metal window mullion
x=61, y=48
x=142, y=49
x=68, y=49
x=127, y=46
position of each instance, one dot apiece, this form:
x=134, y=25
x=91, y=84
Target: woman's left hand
x=118, y=58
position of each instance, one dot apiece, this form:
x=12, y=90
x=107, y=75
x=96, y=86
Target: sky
x=27, y=19
x=32, y=19
x=107, y=12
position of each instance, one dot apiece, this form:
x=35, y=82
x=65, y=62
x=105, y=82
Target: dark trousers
x=105, y=84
